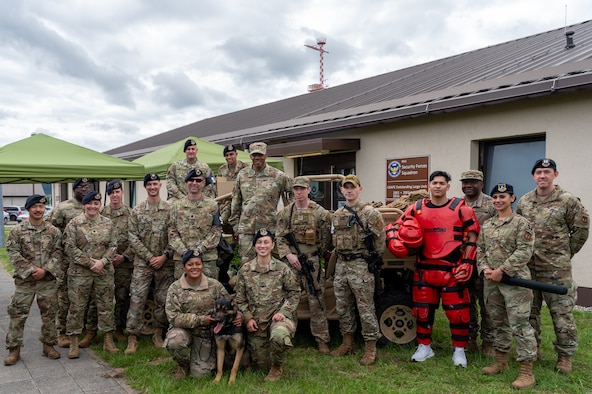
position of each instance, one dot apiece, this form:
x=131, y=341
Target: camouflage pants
x=196, y=351
x=20, y=305
x=63, y=301
x=123, y=280
x=80, y=290
x=271, y=345
x=245, y=247
x=210, y=269
x=354, y=285
x=476, y=291
x=140, y=286
x=509, y=309
x=319, y=326
x=561, y=309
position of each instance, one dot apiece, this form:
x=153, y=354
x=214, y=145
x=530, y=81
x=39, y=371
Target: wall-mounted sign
x=404, y=175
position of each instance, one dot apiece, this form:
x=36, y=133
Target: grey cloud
x=177, y=90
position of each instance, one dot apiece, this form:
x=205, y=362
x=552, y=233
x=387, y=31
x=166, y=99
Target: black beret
x=151, y=177
x=90, y=196
x=189, y=254
x=34, y=199
x=114, y=184
x=544, y=163
x=229, y=148
x=78, y=181
x=189, y=143
x=502, y=188
x=263, y=232
x=194, y=173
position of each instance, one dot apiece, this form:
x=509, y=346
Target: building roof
x=536, y=65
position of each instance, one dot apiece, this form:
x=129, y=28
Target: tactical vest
x=347, y=234
x=304, y=226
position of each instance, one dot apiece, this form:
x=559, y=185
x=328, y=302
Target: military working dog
x=229, y=338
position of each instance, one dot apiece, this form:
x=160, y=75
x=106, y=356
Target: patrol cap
x=189, y=254
x=150, y=177
x=544, y=163
x=80, y=181
x=90, y=196
x=112, y=185
x=229, y=148
x=471, y=175
x=258, y=147
x=351, y=178
x=194, y=173
x=301, y=181
x=502, y=188
x=35, y=199
x=263, y=232
x=188, y=143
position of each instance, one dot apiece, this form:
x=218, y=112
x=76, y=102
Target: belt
x=350, y=256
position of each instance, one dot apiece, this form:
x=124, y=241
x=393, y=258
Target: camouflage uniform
x=254, y=204
x=261, y=292
x=508, y=243
x=312, y=229
x=230, y=174
x=60, y=217
x=175, y=185
x=123, y=273
x=483, y=207
x=189, y=339
x=195, y=225
x=148, y=237
x=354, y=284
x=84, y=239
x=561, y=225
x=30, y=247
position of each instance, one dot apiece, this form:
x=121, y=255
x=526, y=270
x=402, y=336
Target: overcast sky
x=102, y=74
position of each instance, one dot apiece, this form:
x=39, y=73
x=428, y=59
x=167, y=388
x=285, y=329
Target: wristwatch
x=167, y=254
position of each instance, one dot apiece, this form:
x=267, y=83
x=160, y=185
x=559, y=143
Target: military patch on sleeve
x=527, y=236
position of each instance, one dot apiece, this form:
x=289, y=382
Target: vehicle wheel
x=5, y=220
x=13, y=218
x=395, y=317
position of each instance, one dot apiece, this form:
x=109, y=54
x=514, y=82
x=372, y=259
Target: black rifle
x=373, y=259
x=307, y=267
x=535, y=285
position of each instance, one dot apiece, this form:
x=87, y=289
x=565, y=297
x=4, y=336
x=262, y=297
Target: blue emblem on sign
x=394, y=169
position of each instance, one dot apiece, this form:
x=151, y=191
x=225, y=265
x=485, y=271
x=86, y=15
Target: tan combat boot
x=369, y=356
x=89, y=336
x=525, y=377
x=181, y=372
x=157, y=338
x=346, y=347
x=73, y=352
x=324, y=348
x=119, y=335
x=275, y=373
x=50, y=352
x=132, y=345
x=108, y=345
x=564, y=364
x=487, y=349
x=14, y=354
x=63, y=340
x=500, y=364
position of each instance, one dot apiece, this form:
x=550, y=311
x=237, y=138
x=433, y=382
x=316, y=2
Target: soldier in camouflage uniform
x=148, y=237
x=189, y=304
x=119, y=214
x=505, y=246
x=35, y=251
x=229, y=171
x=194, y=224
x=176, y=186
x=311, y=225
x=60, y=217
x=354, y=284
x=90, y=241
x=255, y=198
x=472, y=187
x=267, y=294
x=561, y=225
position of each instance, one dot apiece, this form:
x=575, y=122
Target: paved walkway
x=37, y=374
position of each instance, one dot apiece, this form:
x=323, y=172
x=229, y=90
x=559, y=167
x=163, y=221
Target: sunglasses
x=198, y=180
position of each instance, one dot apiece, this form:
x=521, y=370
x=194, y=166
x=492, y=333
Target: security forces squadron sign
x=404, y=175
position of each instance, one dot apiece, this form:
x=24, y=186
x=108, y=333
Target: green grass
x=306, y=371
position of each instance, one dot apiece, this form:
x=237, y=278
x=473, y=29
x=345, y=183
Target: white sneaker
x=422, y=353
x=459, y=358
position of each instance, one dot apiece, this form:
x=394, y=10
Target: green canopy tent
x=44, y=159
x=161, y=159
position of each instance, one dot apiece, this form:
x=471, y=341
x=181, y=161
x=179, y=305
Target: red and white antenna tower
x=320, y=42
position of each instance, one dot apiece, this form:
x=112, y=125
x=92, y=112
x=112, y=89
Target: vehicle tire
x=395, y=317
x=13, y=218
x=5, y=220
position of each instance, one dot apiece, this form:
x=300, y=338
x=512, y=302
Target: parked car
x=14, y=211
x=6, y=217
x=24, y=216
